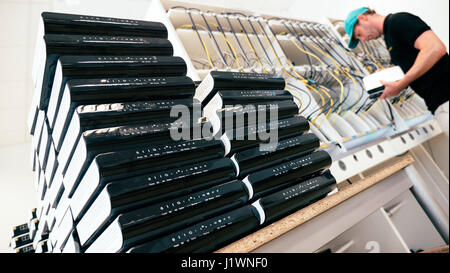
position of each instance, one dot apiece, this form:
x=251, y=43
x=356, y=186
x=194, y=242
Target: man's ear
x=362, y=17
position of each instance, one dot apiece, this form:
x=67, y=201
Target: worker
x=414, y=47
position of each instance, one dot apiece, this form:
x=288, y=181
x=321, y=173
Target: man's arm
x=431, y=49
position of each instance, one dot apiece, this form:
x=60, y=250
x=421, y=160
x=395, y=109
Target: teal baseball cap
x=350, y=22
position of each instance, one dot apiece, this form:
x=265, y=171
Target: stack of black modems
x=21, y=235
x=279, y=178
x=111, y=176
x=103, y=87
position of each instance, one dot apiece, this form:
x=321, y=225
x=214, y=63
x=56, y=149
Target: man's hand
x=431, y=49
x=392, y=89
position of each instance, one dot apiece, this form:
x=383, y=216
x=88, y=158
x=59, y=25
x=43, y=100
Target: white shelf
x=322, y=229
x=357, y=143
x=363, y=238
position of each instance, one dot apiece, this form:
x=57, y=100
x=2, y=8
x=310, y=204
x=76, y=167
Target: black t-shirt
x=401, y=31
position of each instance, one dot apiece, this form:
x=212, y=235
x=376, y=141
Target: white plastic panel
x=322, y=229
x=421, y=235
x=364, y=238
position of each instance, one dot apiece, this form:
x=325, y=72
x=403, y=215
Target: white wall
x=434, y=12
x=17, y=190
x=17, y=43
x=129, y=9
x=17, y=37
x=18, y=26
x=18, y=30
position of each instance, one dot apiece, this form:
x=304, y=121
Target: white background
x=18, y=26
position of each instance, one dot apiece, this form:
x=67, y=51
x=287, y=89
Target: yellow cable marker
x=340, y=83
x=301, y=103
x=256, y=55
x=227, y=41
x=370, y=55
x=204, y=45
x=371, y=107
x=295, y=72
